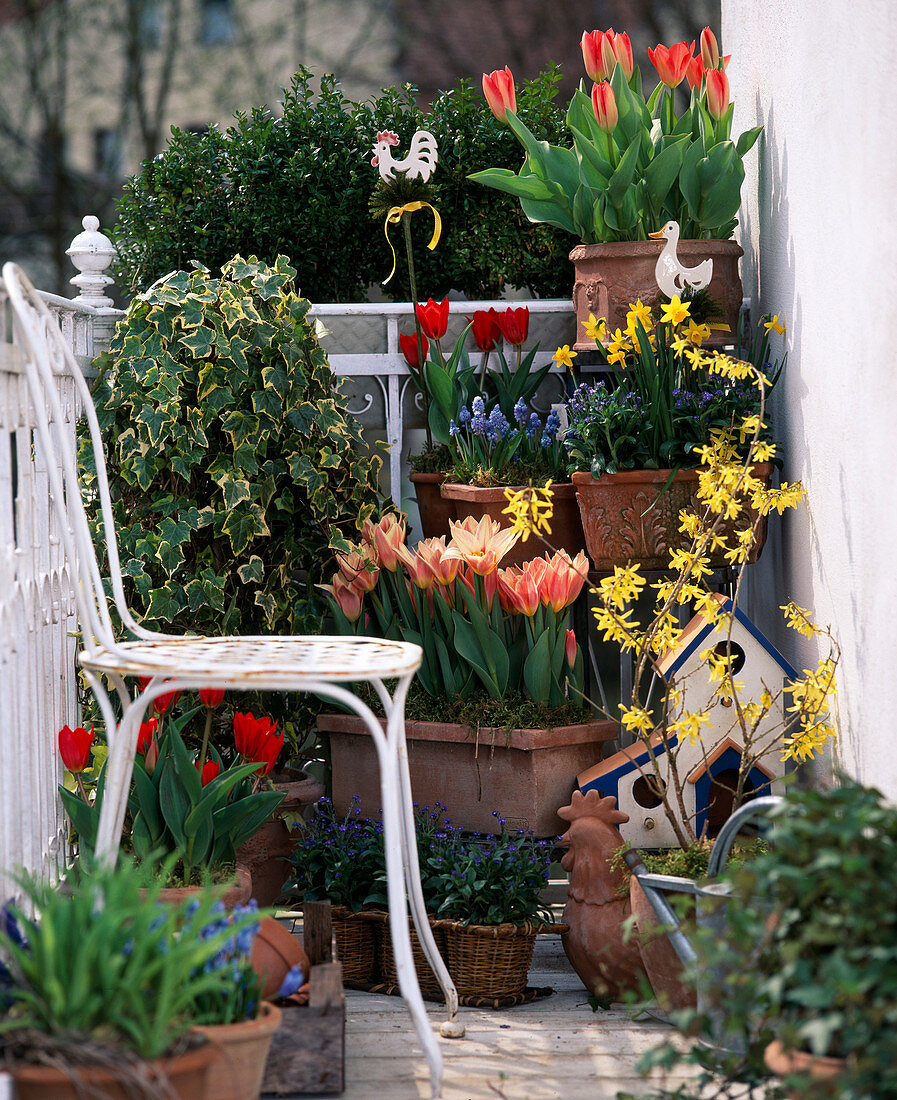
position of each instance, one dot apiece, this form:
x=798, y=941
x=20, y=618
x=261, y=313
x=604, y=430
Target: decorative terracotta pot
x=266, y=854
x=611, y=277
x=566, y=526
x=238, y=893
x=662, y=964
x=822, y=1070
x=241, y=1049
x=523, y=774
x=275, y=951
x=633, y=516
x=435, y=511
x=183, y=1077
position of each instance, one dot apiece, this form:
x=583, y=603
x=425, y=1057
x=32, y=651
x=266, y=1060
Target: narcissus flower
x=433, y=317
x=498, y=88
x=674, y=312
x=74, y=747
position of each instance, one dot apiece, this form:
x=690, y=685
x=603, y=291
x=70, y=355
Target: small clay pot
x=821, y=1069
x=240, y=1053
x=275, y=951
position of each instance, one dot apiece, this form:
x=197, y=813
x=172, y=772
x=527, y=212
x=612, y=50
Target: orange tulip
x=388, y=537
x=671, y=62
x=709, y=49
x=498, y=88
x=623, y=53
x=604, y=104
x=480, y=544
x=694, y=72
x=717, y=93
x=490, y=588
x=563, y=579
x=593, y=57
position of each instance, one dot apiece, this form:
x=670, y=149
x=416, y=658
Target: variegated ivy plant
x=233, y=463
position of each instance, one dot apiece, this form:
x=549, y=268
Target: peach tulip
x=498, y=88
x=360, y=567
x=563, y=579
x=345, y=595
x=418, y=568
x=480, y=544
x=388, y=537
x=604, y=104
x=444, y=569
x=518, y=591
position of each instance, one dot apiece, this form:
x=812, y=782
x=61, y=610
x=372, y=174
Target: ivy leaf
x=199, y=343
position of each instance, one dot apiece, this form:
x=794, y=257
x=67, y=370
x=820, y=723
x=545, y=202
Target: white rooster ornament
x=420, y=162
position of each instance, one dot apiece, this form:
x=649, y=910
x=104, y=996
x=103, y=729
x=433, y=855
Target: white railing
x=38, y=679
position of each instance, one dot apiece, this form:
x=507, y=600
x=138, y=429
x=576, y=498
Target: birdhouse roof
x=723, y=747
x=628, y=759
x=701, y=627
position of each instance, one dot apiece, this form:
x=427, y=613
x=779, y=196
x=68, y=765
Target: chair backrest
x=54, y=381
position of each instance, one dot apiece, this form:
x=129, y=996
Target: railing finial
x=91, y=253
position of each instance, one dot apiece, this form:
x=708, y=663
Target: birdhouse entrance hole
x=645, y=791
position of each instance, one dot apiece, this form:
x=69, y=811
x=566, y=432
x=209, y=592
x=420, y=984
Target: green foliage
x=233, y=464
x=300, y=184
x=102, y=960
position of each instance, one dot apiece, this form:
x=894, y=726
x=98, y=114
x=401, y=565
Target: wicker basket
x=490, y=960
x=356, y=942
x=426, y=979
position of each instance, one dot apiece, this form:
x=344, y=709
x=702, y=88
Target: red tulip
x=514, y=324
x=210, y=770
x=485, y=328
x=671, y=63
x=146, y=733
x=709, y=49
x=433, y=317
x=408, y=344
x=250, y=732
x=593, y=57
x=694, y=72
x=604, y=105
x=162, y=702
x=717, y=93
x=152, y=757
x=74, y=747
x=498, y=88
x=211, y=697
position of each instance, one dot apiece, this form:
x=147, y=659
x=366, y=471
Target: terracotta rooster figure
x=597, y=902
x=419, y=163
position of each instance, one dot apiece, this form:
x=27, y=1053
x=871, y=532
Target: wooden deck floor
x=551, y=1049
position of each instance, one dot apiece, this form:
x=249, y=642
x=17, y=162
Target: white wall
x=819, y=229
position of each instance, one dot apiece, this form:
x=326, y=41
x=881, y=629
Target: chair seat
x=273, y=662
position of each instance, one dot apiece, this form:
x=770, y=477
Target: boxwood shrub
x=299, y=185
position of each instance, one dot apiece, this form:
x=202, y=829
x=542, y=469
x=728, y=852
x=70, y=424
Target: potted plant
x=491, y=638
x=639, y=449
x=101, y=986
x=635, y=163
x=185, y=804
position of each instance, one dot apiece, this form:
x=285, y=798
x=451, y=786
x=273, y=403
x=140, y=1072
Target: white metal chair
x=319, y=664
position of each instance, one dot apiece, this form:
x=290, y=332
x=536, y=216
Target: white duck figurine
x=671, y=276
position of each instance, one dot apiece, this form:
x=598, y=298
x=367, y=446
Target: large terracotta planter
x=610, y=277
x=523, y=774
x=184, y=1078
x=823, y=1071
x=566, y=526
x=240, y=1052
x=266, y=854
x=633, y=516
x=236, y=893
x=435, y=511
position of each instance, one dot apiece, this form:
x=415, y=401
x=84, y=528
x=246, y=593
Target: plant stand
x=308, y=1052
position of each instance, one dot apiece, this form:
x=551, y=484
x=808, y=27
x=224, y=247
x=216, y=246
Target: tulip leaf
x=520, y=185
x=661, y=173
x=746, y=141
x=537, y=669
x=175, y=805
x=621, y=180
x=490, y=662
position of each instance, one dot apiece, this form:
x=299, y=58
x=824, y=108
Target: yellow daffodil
x=639, y=312
x=697, y=333
x=564, y=356
x=595, y=329
x=775, y=324
x=674, y=312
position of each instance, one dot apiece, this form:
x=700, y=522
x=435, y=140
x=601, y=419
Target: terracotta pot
x=266, y=854
x=524, y=774
x=631, y=517
x=238, y=893
x=566, y=526
x=610, y=277
x=435, y=511
x=186, y=1078
x=238, y=1067
x=823, y=1070
x=275, y=951
x=662, y=964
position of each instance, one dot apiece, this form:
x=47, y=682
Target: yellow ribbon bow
x=395, y=216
